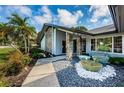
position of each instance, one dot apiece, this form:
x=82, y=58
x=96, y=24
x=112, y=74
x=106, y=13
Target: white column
x=54, y=41
x=123, y=44
x=88, y=45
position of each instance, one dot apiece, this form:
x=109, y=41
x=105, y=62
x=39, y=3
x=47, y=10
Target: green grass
x=4, y=52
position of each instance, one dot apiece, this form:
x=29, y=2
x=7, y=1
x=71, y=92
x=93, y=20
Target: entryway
x=74, y=46
x=63, y=46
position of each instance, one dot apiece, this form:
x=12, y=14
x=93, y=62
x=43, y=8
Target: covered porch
x=75, y=45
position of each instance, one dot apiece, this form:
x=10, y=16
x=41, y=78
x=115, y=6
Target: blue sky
x=65, y=15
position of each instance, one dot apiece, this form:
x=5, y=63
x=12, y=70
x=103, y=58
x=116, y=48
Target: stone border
x=103, y=74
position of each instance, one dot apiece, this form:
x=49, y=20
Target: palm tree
x=5, y=32
x=23, y=29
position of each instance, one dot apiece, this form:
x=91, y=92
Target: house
x=108, y=39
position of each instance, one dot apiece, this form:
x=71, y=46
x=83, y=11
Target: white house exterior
x=54, y=40
x=107, y=32
x=62, y=40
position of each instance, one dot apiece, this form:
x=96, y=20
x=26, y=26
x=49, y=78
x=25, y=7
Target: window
x=93, y=44
x=104, y=44
x=118, y=44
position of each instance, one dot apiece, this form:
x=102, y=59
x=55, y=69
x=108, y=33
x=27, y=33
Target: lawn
x=4, y=52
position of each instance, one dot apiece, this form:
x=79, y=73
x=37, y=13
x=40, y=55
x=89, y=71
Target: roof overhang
x=117, y=13
x=110, y=29
x=60, y=28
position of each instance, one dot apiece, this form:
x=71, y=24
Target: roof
x=101, y=30
x=46, y=26
x=98, y=31
x=68, y=29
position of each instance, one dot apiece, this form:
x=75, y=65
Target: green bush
x=36, y=50
x=15, y=56
x=37, y=55
x=3, y=81
x=13, y=68
x=4, y=84
x=26, y=60
x=116, y=60
x=14, y=65
x=2, y=69
x=91, y=65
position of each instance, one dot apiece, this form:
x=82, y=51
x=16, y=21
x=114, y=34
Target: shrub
x=14, y=65
x=13, y=68
x=91, y=65
x=4, y=82
x=101, y=59
x=36, y=50
x=15, y=56
x=116, y=60
x=2, y=69
x=37, y=55
x=26, y=60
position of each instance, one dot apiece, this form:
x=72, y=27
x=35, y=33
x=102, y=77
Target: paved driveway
x=43, y=74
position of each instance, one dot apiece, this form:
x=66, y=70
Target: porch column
x=69, y=46
x=79, y=45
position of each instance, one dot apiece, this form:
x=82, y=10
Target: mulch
x=16, y=81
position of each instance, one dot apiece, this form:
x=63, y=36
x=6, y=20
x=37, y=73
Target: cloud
x=21, y=10
x=46, y=17
x=63, y=17
x=98, y=11
x=67, y=18
x=24, y=10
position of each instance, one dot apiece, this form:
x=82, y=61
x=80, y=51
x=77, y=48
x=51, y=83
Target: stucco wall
x=59, y=37
x=49, y=40
x=52, y=41
x=43, y=47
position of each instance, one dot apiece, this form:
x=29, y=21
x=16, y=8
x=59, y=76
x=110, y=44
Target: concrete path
x=43, y=74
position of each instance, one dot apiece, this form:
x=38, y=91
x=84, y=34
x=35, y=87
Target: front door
x=84, y=45
x=63, y=46
x=74, y=46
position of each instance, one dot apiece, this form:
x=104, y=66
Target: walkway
x=43, y=74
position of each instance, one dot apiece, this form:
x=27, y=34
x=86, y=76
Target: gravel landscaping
x=68, y=76
x=104, y=73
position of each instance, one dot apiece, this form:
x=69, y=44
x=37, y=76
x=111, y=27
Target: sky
x=91, y=17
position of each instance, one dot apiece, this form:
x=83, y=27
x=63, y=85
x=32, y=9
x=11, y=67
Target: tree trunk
x=28, y=45
x=13, y=46
x=25, y=41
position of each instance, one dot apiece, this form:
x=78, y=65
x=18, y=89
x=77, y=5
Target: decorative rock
x=68, y=76
x=101, y=75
